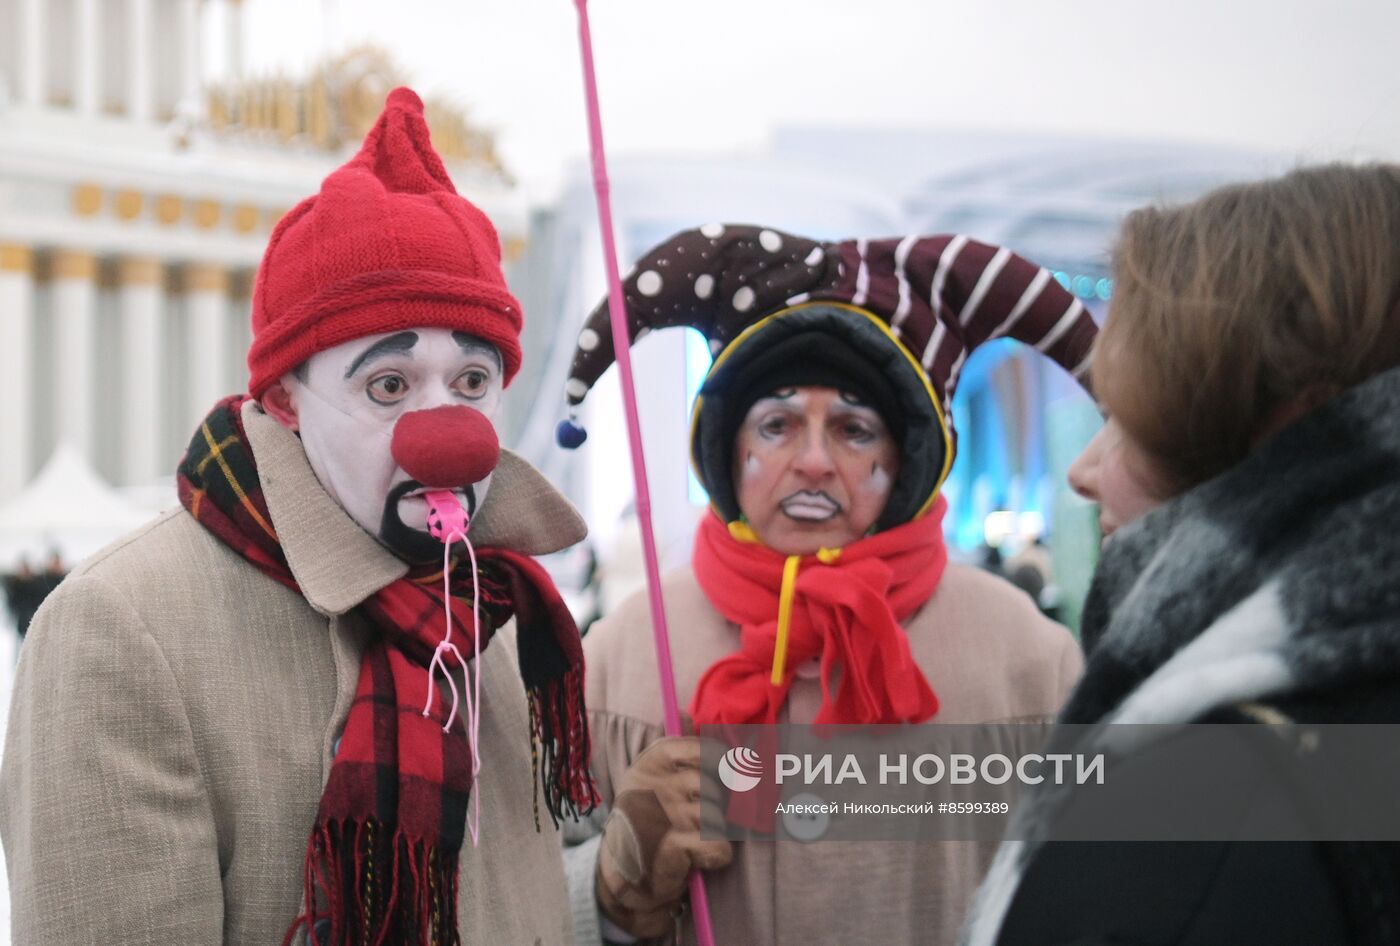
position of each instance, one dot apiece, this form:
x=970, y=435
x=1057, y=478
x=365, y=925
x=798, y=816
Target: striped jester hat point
x=907, y=310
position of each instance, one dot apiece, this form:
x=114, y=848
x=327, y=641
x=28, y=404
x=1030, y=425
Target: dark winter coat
x=1267, y=594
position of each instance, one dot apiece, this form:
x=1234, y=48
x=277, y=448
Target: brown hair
x=1228, y=309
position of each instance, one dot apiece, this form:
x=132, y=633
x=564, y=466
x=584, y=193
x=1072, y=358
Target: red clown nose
x=446, y=447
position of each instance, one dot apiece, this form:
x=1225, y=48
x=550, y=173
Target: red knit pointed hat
x=387, y=245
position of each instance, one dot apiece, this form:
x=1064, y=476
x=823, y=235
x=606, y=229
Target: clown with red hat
x=327, y=698
x=819, y=589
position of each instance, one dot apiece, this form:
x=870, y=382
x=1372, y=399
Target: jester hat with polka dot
x=913, y=307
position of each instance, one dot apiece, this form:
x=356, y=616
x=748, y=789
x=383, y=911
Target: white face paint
x=347, y=400
x=879, y=482
x=751, y=467
x=813, y=469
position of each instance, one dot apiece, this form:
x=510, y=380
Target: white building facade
x=137, y=192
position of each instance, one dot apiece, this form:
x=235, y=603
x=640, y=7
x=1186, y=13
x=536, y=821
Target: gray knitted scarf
x=1279, y=578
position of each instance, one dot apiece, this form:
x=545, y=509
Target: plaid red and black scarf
x=381, y=863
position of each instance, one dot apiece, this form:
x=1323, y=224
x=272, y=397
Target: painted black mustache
x=410, y=544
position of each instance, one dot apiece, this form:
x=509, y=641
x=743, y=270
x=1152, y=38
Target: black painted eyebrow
x=854, y=408
x=472, y=345
x=394, y=344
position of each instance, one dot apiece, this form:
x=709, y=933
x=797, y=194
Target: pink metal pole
x=617, y=310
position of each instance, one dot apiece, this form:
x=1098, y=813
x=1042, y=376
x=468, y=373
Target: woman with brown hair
x=1248, y=479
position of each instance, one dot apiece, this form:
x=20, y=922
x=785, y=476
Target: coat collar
x=337, y=564
x=1271, y=565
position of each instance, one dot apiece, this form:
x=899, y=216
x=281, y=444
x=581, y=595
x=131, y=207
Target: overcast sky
x=1306, y=77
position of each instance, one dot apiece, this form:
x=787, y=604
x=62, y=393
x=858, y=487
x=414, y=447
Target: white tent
x=67, y=508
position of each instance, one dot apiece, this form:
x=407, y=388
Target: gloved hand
x=652, y=840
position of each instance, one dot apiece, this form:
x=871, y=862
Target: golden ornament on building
x=139, y=271
x=335, y=107
x=245, y=218
x=206, y=214
x=206, y=277
x=15, y=258
x=128, y=204
x=74, y=264
x=169, y=208
x=87, y=199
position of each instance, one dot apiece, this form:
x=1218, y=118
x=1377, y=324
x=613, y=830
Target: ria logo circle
x=740, y=769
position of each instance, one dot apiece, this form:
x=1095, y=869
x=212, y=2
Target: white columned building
x=233, y=36
x=206, y=334
x=137, y=194
x=16, y=341
x=74, y=348
x=188, y=20
x=33, y=51
x=87, y=63
x=139, y=422
x=140, y=83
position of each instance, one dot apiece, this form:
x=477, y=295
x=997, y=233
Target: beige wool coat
x=176, y=712
x=987, y=652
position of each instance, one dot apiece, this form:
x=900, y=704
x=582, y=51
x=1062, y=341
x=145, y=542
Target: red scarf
x=847, y=612
x=381, y=863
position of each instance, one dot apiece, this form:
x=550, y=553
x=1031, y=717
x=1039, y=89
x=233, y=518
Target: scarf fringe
x=364, y=881
x=404, y=891
x=561, y=749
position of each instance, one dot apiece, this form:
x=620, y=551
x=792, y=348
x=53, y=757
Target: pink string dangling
x=448, y=522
